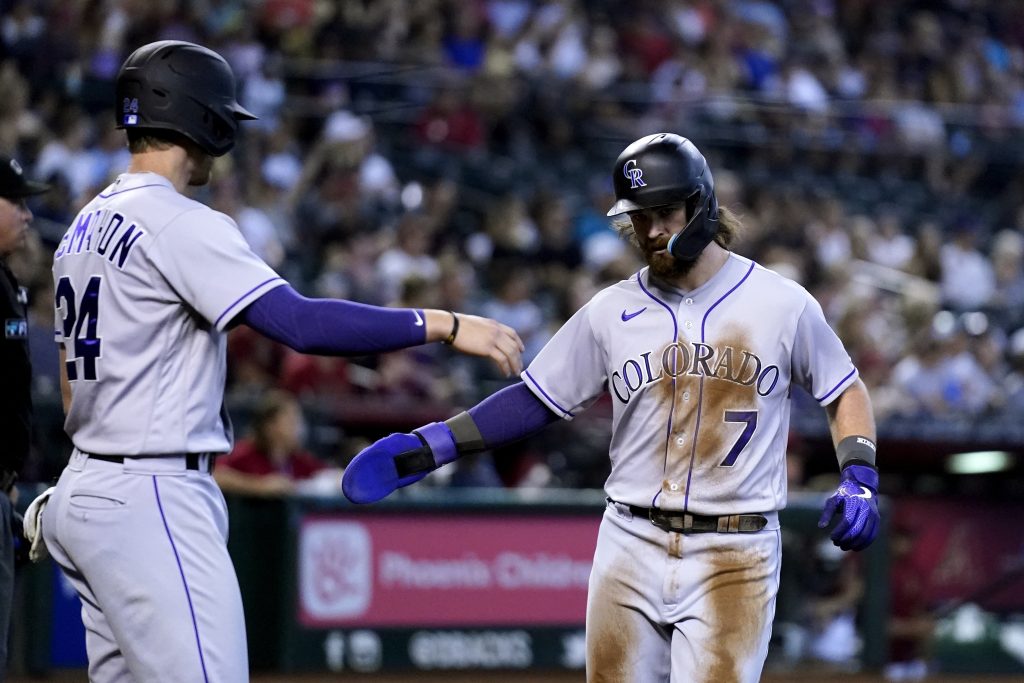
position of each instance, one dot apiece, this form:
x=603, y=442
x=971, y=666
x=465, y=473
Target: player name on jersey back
x=146, y=282
x=96, y=231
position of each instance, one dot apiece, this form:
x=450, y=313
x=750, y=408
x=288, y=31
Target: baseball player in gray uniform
x=699, y=351
x=148, y=282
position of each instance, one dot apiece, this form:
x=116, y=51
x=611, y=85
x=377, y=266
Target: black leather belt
x=688, y=523
x=191, y=459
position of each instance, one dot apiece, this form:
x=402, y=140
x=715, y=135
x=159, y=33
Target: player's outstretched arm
x=856, y=500
x=398, y=460
x=345, y=328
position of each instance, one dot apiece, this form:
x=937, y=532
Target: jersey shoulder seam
x=778, y=277
x=588, y=309
x=621, y=285
x=157, y=232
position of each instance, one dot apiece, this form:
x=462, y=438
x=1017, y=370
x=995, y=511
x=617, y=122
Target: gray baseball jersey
x=146, y=280
x=700, y=384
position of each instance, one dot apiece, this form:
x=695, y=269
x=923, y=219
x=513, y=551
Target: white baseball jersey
x=146, y=281
x=700, y=383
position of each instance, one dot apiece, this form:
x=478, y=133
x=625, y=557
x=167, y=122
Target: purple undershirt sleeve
x=511, y=414
x=333, y=327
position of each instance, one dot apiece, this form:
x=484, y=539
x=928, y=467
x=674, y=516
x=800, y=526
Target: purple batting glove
x=373, y=474
x=397, y=460
x=856, y=501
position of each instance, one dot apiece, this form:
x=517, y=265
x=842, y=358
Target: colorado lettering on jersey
x=95, y=231
x=694, y=358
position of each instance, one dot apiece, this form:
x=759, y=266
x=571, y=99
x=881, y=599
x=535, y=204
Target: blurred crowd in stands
x=456, y=154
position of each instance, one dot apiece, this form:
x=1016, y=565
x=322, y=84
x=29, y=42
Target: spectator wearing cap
x=15, y=397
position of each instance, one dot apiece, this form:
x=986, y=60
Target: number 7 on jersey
x=748, y=416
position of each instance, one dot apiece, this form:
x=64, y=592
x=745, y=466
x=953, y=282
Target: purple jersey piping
x=235, y=302
x=546, y=395
x=833, y=390
x=700, y=386
x=129, y=189
x=672, y=408
x=184, y=581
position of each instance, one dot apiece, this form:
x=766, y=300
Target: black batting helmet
x=181, y=87
x=664, y=169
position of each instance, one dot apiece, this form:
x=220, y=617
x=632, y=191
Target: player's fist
x=397, y=460
x=856, y=502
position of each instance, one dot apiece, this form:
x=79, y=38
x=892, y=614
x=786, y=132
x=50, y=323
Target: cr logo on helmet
x=634, y=174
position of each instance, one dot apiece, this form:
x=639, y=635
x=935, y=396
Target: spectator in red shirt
x=451, y=121
x=272, y=459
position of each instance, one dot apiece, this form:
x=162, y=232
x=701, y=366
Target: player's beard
x=665, y=266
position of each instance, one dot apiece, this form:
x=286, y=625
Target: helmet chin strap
x=689, y=243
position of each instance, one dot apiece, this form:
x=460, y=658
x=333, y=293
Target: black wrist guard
x=467, y=435
x=859, y=448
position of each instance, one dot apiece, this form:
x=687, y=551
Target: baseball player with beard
x=148, y=282
x=699, y=351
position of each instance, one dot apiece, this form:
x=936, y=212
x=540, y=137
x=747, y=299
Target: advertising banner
x=366, y=650
x=443, y=570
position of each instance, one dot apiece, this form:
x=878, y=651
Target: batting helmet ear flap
x=700, y=229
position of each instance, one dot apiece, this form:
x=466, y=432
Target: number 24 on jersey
x=80, y=317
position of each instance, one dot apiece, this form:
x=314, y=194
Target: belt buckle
x=673, y=521
x=659, y=518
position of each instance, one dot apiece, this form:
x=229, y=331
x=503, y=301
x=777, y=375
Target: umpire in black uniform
x=15, y=389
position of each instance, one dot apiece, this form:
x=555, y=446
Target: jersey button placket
x=680, y=440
